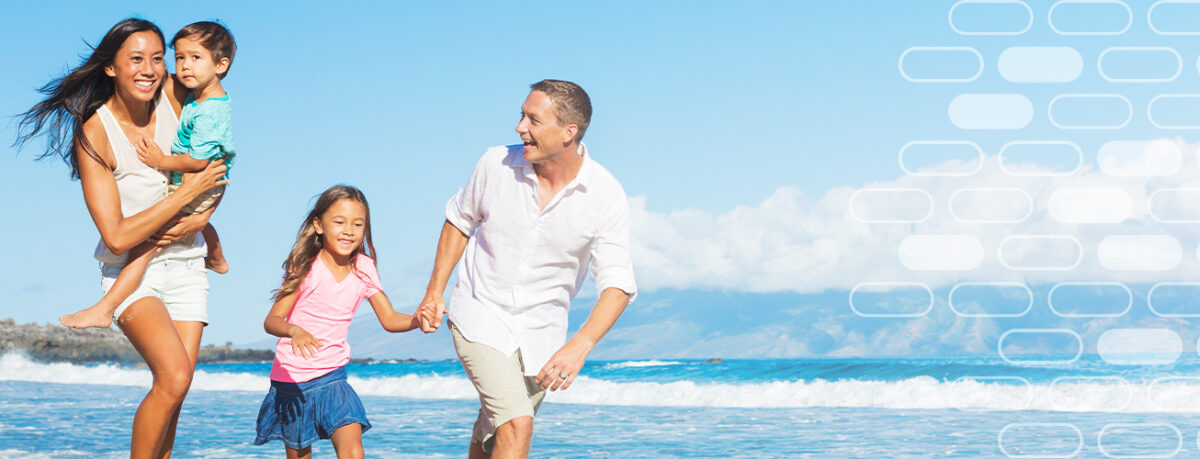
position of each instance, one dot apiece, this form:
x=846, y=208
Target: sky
x=790, y=165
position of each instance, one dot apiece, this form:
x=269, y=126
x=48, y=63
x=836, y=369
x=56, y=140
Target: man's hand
x=564, y=365
x=430, y=312
x=149, y=153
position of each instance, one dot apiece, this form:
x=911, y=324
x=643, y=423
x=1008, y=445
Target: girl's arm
x=104, y=201
x=303, y=343
x=395, y=322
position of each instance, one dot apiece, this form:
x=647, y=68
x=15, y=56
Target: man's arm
x=564, y=365
x=450, y=248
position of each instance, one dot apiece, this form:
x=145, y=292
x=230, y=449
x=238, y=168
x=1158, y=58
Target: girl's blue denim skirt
x=300, y=413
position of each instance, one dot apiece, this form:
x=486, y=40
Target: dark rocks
x=52, y=343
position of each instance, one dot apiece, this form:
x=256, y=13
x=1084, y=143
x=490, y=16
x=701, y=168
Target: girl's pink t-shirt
x=324, y=308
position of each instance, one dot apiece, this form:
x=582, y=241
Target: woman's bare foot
x=95, y=316
x=216, y=264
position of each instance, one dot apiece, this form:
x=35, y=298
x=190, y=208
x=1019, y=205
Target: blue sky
x=740, y=129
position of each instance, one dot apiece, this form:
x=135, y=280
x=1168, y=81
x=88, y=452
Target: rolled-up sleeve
x=464, y=210
x=611, y=261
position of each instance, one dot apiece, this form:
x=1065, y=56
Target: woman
x=91, y=117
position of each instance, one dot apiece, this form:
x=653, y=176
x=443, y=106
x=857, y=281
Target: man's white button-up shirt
x=522, y=264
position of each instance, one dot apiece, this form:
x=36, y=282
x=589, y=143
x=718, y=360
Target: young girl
x=204, y=52
x=329, y=272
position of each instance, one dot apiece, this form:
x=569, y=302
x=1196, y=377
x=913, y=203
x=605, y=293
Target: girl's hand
x=149, y=152
x=204, y=180
x=304, y=344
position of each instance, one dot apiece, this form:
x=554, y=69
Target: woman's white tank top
x=141, y=186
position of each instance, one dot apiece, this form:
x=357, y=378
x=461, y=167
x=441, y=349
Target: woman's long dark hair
x=75, y=97
x=308, y=242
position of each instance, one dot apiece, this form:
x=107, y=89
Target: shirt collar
x=582, y=179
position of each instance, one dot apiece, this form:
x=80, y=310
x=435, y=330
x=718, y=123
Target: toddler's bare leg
x=216, y=258
x=100, y=314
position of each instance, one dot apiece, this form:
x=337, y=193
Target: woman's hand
x=178, y=227
x=149, y=153
x=196, y=184
x=304, y=344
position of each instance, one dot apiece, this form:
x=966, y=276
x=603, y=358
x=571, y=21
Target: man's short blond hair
x=571, y=103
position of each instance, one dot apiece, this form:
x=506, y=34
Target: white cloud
x=791, y=242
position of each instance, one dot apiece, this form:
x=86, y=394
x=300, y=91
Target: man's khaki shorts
x=505, y=393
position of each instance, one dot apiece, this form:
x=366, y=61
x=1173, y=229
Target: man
x=531, y=220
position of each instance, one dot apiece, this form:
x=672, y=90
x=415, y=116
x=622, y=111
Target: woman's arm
x=391, y=320
x=303, y=342
x=104, y=201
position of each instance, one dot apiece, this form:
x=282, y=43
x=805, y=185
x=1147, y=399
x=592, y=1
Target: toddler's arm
x=303, y=343
x=395, y=322
x=153, y=156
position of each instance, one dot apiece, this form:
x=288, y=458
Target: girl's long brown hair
x=308, y=242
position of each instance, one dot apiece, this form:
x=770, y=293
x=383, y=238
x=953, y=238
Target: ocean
x=919, y=407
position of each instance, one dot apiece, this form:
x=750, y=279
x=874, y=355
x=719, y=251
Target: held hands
x=304, y=344
x=430, y=313
x=560, y=372
x=149, y=153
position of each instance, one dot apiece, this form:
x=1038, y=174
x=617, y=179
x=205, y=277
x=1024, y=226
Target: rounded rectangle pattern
x=1090, y=205
x=1038, y=252
x=1174, y=17
x=1040, y=64
x=991, y=205
x=1169, y=393
x=966, y=15
x=1063, y=398
x=941, y=252
x=1031, y=158
x=941, y=158
x=1142, y=431
x=891, y=205
x=1142, y=252
x=1175, y=205
x=1174, y=299
x=990, y=111
x=1071, y=295
x=1139, y=346
x=926, y=54
x=1162, y=59
x=1083, y=17
x=1090, y=111
x=1013, y=442
x=987, y=302
x=1140, y=158
x=1037, y=338
x=879, y=299
x=1174, y=111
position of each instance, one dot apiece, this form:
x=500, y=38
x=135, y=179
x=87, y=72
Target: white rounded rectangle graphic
x=990, y=17
x=1140, y=158
x=991, y=299
x=1139, y=64
x=891, y=299
x=1139, y=346
x=1040, y=346
x=1040, y=440
x=990, y=111
x=1037, y=252
x=891, y=205
x=1040, y=64
x=1090, y=205
x=1084, y=17
x=1040, y=158
x=1174, y=17
x=1174, y=299
x=941, y=158
x=1175, y=205
x=1090, y=111
x=1080, y=393
x=941, y=64
x=1090, y=299
x=1174, y=111
x=991, y=205
x=1143, y=252
x=941, y=252
x=1174, y=393
x=984, y=393
x=1140, y=440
